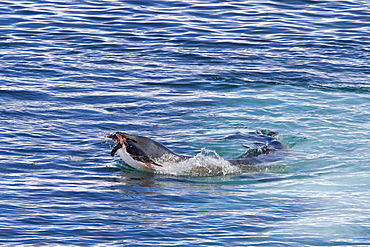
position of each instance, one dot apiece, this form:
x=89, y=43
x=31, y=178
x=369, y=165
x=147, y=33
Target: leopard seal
x=145, y=154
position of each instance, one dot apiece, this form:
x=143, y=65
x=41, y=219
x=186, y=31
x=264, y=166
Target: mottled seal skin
x=139, y=151
x=267, y=148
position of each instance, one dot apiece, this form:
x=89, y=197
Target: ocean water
x=187, y=74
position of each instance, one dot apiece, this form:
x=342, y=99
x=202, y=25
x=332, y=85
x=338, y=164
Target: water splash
x=206, y=163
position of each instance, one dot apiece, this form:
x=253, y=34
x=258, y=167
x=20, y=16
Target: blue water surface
x=185, y=73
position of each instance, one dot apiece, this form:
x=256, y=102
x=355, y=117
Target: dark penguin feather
x=115, y=149
x=137, y=154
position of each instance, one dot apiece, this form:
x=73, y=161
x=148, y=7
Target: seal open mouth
x=119, y=138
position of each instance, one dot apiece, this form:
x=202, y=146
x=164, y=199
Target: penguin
x=130, y=153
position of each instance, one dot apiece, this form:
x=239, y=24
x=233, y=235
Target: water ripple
x=185, y=73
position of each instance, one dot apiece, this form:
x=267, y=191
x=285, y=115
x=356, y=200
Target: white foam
x=76, y=158
x=206, y=163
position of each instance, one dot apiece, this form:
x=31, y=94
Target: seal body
x=145, y=154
